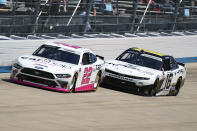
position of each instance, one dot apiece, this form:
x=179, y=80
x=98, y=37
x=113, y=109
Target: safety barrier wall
x=110, y=48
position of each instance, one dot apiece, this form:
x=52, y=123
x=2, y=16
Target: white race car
x=61, y=67
x=146, y=71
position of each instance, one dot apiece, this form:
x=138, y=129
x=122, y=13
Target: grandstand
x=37, y=17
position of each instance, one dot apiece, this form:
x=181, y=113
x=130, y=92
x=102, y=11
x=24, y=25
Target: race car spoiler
x=101, y=57
x=182, y=64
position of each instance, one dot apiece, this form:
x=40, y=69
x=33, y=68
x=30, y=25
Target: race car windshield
x=55, y=53
x=141, y=59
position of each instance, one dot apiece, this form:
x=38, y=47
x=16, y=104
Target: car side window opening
x=93, y=58
x=173, y=64
x=88, y=58
x=85, y=59
x=166, y=64
x=170, y=64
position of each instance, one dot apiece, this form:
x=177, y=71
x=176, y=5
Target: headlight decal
x=63, y=75
x=17, y=66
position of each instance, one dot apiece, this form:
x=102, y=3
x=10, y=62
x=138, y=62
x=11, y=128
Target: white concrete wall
x=178, y=46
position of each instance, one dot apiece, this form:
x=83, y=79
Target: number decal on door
x=168, y=80
x=86, y=75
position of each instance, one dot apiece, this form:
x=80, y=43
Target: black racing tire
x=153, y=91
x=73, y=82
x=97, y=80
x=177, y=88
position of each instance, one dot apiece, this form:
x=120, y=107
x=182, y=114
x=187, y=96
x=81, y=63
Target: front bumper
x=123, y=80
x=38, y=85
x=125, y=84
x=39, y=80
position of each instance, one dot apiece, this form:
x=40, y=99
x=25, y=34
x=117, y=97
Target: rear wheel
x=97, y=81
x=73, y=83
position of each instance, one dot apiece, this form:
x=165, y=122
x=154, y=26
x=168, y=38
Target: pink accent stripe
x=41, y=86
x=72, y=46
x=89, y=87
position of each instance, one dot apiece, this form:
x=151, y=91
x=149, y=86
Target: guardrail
x=99, y=35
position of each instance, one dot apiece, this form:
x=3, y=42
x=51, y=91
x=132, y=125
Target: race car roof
x=150, y=52
x=68, y=46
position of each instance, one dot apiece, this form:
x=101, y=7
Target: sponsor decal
x=47, y=62
x=181, y=71
x=38, y=67
x=41, y=65
x=98, y=67
x=24, y=57
x=119, y=77
x=134, y=67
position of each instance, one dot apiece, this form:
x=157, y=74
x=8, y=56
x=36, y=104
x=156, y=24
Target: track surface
x=24, y=108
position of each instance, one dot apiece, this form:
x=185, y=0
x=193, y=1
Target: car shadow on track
x=10, y=81
x=124, y=90
x=106, y=86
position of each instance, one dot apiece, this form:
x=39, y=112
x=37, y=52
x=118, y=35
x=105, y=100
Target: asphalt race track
x=24, y=108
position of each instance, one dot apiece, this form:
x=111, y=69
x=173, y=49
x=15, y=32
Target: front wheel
x=73, y=83
x=97, y=81
x=153, y=91
x=175, y=92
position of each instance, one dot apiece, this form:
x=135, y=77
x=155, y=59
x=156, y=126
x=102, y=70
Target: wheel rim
x=157, y=85
x=178, y=87
x=97, y=81
x=153, y=91
x=73, y=84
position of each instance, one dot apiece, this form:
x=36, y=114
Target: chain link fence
x=22, y=17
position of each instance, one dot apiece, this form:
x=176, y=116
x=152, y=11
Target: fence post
x=87, y=20
x=143, y=15
x=133, y=17
x=36, y=16
x=175, y=14
x=13, y=24
x=73, y=13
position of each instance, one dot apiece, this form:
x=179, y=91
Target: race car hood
x=44, y=64
x=130, y=69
